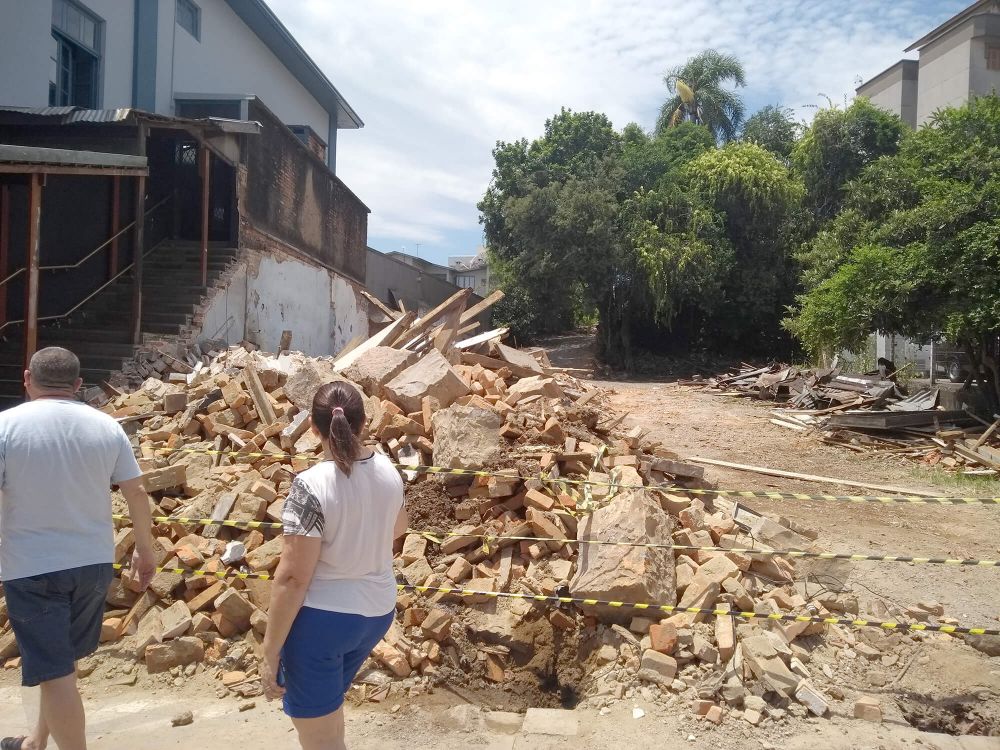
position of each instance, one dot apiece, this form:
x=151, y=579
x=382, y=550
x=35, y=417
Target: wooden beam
x=481, y=306
x=4, y=247
x=485, y=336
x=204, y=162
x=386, y=310
x=261, y=401
x=116, y=193
x=470, y=358
x=426, y=322
x=34, y=245
x=139, y=243
x=387, y=334
x=807, y=477
x=982, y=438
x=445, y=338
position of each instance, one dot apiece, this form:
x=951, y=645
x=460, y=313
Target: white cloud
x=438, y=83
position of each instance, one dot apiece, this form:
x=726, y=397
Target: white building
x=186, y=58
x=958, y=59
x=472, y=272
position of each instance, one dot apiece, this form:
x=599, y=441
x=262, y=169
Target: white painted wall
x=25, y=37
x=268, y=295
x=350, y=312
x=231, y=59
x=116, y=55
x=945, y=76
x=226, y=316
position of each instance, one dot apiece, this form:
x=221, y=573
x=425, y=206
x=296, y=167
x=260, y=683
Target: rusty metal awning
x=37, y=160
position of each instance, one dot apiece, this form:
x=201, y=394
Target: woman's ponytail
x=338, y=412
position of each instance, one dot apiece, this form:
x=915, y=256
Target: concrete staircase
x=99, y=332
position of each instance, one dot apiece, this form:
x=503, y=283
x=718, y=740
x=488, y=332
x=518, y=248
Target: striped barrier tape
x=670, y=609
x=489, y=539
x=642, y=606
x=442, y=470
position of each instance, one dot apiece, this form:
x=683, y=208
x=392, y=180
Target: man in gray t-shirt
x=58, y=460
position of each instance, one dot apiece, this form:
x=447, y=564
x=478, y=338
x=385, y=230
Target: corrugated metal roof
x=72, y=114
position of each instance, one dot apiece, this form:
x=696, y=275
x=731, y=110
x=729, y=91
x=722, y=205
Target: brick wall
x=289, y=193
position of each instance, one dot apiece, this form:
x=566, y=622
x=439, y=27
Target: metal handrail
x=103, y=245
x=89, y=255
x=101, y=288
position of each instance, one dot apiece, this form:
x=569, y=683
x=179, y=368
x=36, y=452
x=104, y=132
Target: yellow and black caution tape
x=670, y=609
x=490, y=539
x=443, y=470
x=207, y=522
x=642, y=606
x=208, y=573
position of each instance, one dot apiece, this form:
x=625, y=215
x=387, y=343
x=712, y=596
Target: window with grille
x=74, y=57
x=189, y=18
x=466, y=282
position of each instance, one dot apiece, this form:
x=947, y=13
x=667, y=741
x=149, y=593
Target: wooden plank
x=979, y=456
x=481, y=306
x=426, y=322
x=386, y=310
x=986, y=435
x=482, y=338
x=789, y=425
x=807, y=477
x=470, y=358
x=222, y=509
x=445, y=338
x=261, y=401
x=385, y=337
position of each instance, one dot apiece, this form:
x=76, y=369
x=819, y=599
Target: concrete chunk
x=378, y=366
x=621, y=573
x=466, y=437
x=431, y=376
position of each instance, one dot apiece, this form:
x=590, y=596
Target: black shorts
x=57, y=619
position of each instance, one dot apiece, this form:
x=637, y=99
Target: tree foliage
x=772, y=128
x=917, y=248
x=836, y=147
x=699, y=95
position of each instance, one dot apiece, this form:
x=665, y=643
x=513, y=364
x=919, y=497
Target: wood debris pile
x=868, y=414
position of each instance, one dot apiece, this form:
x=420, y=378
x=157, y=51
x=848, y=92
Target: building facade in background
x=184, y=58
x=957, y=60
x=472, y=271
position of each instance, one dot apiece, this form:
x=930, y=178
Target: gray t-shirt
x=58, y=460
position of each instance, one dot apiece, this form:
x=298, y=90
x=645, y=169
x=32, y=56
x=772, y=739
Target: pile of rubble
x=559, y=479
x=869, y=414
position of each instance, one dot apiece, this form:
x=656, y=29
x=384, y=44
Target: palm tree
x=698, y=95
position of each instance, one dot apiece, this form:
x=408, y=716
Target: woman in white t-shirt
x=334, y=590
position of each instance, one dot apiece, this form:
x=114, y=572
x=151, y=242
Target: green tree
x=836, y=147
x=772, y=128
x=920, y=242
x=541, y=217
x=699, y=94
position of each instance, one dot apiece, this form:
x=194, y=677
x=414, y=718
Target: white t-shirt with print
x=354, y=516
x=58, y=460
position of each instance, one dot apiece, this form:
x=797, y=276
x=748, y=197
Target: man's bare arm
x=144, y=559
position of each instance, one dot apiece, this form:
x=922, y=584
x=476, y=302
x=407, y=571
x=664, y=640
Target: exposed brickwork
x=288, y=192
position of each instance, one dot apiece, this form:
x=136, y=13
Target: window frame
x=195, y=14
x=76, y=45
x=465, y=281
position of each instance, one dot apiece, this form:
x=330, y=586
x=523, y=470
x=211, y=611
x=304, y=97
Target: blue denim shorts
x=321, y=657
x=57, y=619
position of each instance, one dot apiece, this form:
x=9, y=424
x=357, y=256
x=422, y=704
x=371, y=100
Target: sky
x=437, y=84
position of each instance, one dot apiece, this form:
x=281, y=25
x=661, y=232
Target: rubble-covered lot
x=211, y=442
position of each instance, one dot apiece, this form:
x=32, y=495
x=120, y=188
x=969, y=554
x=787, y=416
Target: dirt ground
x=945, y=686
